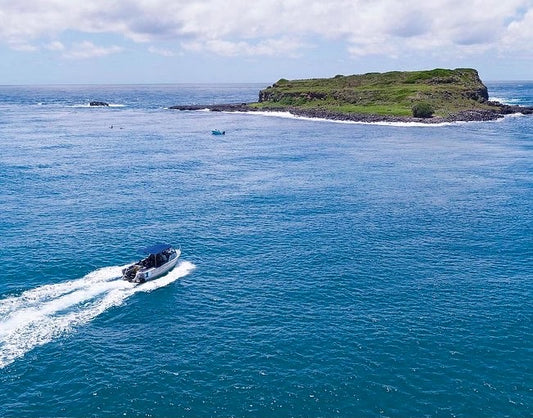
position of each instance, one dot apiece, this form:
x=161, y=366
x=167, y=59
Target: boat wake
x=45, y=313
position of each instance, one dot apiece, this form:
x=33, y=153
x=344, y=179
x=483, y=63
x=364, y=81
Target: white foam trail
x=40, y=315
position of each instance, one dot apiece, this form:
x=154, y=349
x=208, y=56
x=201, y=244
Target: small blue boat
x=218, y=132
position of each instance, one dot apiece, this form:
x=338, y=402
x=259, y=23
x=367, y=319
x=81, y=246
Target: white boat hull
x=152, y=267
x=155, y=272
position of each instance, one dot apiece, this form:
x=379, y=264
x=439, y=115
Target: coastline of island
x=446, y=96
x=500, y=110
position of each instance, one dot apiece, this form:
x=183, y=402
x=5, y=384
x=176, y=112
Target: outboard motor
x=130, y=272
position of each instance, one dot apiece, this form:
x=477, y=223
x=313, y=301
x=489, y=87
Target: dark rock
x=481, y=95
x=98, y=104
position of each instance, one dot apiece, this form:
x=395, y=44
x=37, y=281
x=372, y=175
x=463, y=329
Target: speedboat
x=160, y=259
x=218, y=132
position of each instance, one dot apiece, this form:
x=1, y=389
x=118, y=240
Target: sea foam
x=288, y=115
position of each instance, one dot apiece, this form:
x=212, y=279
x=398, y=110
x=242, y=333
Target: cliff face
x=394, y=93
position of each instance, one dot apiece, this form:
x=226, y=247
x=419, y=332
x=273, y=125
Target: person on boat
x=149, y=261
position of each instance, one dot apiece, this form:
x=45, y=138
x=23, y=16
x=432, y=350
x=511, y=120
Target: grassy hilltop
x=440, y=92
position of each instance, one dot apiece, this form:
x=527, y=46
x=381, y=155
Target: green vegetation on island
x=438, y=92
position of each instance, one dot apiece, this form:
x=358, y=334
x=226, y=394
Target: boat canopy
x=156, y=249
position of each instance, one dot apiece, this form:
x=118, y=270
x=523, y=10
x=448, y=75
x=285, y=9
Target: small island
x=431, y=96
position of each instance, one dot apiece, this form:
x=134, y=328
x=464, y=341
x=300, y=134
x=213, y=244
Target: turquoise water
x=328, y=269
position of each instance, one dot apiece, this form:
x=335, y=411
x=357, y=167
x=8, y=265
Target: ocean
x=327, y=270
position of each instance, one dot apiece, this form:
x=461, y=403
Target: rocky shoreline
x=476, y=115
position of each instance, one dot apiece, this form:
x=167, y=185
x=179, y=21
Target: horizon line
x=198, y=83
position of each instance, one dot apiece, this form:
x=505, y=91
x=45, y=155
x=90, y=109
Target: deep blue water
x=329, y=269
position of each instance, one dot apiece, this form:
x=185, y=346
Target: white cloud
x=268, y=27
x=268, y=47
x=161, y=51
x=519, y=35
x=86, y=49
x=23, y=46
x=55, y=46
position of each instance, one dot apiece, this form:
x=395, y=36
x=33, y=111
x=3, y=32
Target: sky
x=249, y=41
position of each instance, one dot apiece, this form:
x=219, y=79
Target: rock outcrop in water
x=452, y=95
x=98, y=103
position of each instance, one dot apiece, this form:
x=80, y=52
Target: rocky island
x=432, y=96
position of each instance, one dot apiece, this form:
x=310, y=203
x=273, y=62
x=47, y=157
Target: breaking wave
x=507, y=100
x=45, y=313
x=288, y=115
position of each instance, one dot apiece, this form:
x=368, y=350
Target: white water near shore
x=288, y=115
